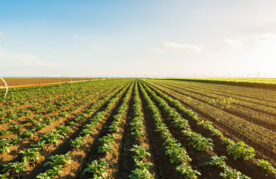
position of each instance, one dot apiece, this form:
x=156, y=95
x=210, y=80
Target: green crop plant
x=77, y=142
x=57, y=160
x=106, y=143
x=230, y=173
x=98, y=168
x=5, y=144
x=26, y=133
x=13, y=168
x=140, y=173
x=240, y=150
x=218, y=161
x=197, y=141
x=30, y=155
x=4, y=132
x=52, y=137
x=266, y=166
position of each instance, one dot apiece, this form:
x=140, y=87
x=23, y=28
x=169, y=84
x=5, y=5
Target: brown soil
x=126, y=163
x=225, y=129
x=64, y=147
x=199, y=158
x=268, y=125
x=22, y=119
x=93, y=154
x=6, y=157
x=247, y=167
x=164, y=169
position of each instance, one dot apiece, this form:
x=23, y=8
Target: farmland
x=139, y=128
x=19, y=82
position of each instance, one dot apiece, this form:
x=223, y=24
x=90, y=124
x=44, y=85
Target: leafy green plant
x=86, y=132
x=40, y=145
x=197, y=141
x=30, y=155
x=26, y=133
x=4, y=132
x=16, y=140
x=14, y=167
x=106, y=143
x=63, y=130
x=240, y=150
x=218, y=161
x=5, y=144
x=136, y=127
x=266, y=166
x=140, y=173
x=50, y=173
x=77, y=142
x=40, y=125
x=57, y=160
x=52, y=137
x=98, y=168
x=187, y=171
x=140, y=153
x=230, y=173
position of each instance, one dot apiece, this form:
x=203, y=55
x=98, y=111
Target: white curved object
x=6, y=85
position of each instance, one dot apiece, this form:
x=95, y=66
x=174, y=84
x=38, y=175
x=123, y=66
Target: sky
x=138, y=38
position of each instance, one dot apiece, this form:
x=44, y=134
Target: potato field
x=139, y=129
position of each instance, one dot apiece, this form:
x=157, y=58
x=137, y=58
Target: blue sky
x=157, y=38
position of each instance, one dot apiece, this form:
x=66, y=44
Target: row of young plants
x=177, y=154
x=229, y=105
x=31, y=155
x=41, y=96
x=56, y=169
x=48, y=106
x=196, y=140
x=17, y=96
x=73, y=102
x=28, y=95
x=238, y=150
x=256, y=135
x=245, y=111
x=40, y=123
x=88, y=128
x=140, y=155
x=253, y=103
x=100, y=167
x=255, y=98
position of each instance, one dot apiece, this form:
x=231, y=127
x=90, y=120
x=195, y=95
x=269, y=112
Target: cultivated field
x=18, y=82
x=130, y=128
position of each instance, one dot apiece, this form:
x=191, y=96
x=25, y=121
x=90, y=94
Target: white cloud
x=24, y=60
x=234, y=43
x=264, y=37
x=176, y=47
x=258, y=39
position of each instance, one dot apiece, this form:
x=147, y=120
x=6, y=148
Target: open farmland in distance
x=139, y=128
x=23, y=82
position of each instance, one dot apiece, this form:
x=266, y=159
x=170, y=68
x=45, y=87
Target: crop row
x=85, y=132
x=49, y=139
x=261, y=138
x=140, y=153
x=232, y=106
x=196, y=140
x=237, y=150
x=5, y=144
